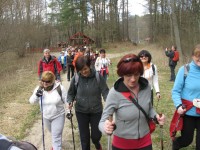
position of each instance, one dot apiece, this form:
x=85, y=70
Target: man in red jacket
x=49, y=63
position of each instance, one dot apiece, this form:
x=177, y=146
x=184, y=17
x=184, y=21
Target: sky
x=137, y=7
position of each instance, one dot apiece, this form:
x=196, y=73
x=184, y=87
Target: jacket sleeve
x=97, y=64
x=34, y=99
x=104, y=87
x=64, y=93
x=178, y=86
x=110, y=107
x=155, y=80
x=57, y=68
x=152, y=111
x=169, y=54
x=71, y=94
x=40, y=69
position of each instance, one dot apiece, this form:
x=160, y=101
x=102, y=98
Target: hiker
x=150, y=72
x=130, y=128
x=70, y=67
x=80, y=52
x=49, y=63
x=102, y=63
x=86, y=90
x=63, y=60
x=186, y=92
x=173, y=59
x=93, y=58
x=53, y=96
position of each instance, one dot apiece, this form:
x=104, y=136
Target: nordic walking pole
x=161, y=134
x=69, y=116
x=109, y=136
x=72, y=129
x=161, y=129
x=42, y=123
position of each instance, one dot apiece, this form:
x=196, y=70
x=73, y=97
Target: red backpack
x=176, y=56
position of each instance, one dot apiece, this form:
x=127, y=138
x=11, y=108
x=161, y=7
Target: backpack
x=153, y=68
x=186, y=70
x=58, y=88
x=176, y=56
x=76, y=76
x=8, y=144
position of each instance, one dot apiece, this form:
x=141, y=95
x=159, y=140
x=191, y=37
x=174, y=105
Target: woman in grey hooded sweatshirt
x=132, y=130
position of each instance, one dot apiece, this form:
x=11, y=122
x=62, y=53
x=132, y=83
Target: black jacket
x=170, y=54
x=88, y=93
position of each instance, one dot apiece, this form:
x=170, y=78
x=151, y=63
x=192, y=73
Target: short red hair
x=130, y=64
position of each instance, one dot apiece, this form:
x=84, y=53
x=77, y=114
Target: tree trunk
x=176, y=28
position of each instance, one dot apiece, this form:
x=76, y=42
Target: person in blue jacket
x=63, y=60
x=186, y=91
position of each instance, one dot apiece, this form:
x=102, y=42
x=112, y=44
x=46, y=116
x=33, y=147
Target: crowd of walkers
x=128, y=113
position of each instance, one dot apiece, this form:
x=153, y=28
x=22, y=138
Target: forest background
x=29, y=24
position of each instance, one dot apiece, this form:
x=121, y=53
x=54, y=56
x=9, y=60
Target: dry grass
x=18, y=78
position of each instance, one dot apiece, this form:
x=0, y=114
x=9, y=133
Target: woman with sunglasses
x=130, y=128
x=150, y=72
x=53, y=96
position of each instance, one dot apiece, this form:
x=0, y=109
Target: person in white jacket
x=150, y=72
x=53, y=96
x=102, y=63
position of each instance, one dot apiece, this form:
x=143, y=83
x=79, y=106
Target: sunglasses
x=46, y=81
x=144, y=55
x=135, y=59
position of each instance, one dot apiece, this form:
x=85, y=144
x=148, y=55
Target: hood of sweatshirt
x=121, y=87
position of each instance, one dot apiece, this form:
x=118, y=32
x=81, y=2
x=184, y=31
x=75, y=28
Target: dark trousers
x=63, y=68
x=189, y=125
x=70, y=70
x=144, y=148
x=172, y=70
x=84, y=121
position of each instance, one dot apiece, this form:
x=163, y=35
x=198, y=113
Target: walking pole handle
x=161, y=134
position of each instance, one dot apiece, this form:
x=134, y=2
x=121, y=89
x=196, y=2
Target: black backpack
x=153, y=68
x=9, y=144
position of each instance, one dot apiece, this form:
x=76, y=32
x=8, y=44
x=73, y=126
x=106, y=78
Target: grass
x=18, y=79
